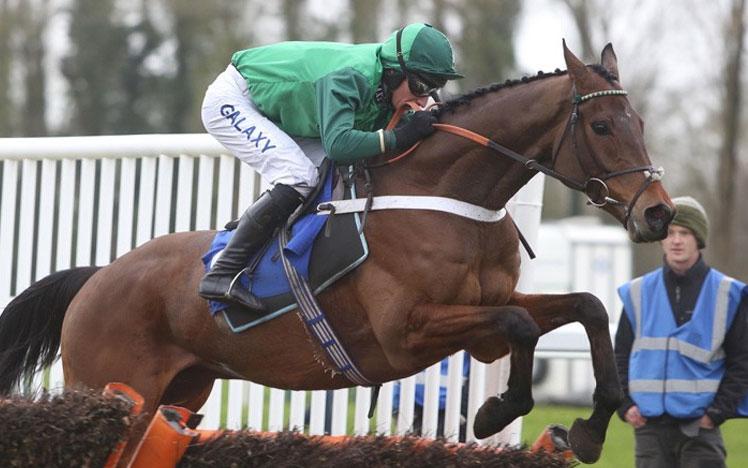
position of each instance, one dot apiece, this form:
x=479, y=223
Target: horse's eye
x=601, y=128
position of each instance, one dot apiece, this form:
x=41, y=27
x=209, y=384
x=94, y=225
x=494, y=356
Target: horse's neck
x=524, y=118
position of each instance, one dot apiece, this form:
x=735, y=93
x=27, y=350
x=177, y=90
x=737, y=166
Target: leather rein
x=589, y=187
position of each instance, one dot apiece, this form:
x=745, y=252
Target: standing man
x=682, y=351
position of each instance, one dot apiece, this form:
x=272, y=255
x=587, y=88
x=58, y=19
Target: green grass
x=619, y=446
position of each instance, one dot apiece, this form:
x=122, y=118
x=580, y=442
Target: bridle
x=595, y=187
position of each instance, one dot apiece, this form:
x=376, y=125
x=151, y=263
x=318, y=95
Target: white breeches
x=229, y=114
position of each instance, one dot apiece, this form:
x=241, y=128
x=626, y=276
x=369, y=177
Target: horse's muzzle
x=651, y=224
x=658, y=218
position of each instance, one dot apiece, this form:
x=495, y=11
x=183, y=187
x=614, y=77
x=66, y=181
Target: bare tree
x=6, y=104
x=731, y=111
x=292, y=13
x=34, y=16
x=405, y=7
x=364, y=20
x=486, y=46
x=439, y=10
x=580, y=11
x=206, y=34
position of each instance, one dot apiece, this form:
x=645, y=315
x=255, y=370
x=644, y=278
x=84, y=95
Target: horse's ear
x=609, y=60
x=577, y=70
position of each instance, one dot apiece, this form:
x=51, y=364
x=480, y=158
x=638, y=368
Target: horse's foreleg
x=498, y=411
x=462, y=327
x=551, y=311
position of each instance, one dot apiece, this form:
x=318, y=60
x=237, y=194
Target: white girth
x=402, y=202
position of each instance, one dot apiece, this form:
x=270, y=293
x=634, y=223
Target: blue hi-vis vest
x=677, y=370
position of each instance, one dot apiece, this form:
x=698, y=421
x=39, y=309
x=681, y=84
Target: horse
x=434, y=283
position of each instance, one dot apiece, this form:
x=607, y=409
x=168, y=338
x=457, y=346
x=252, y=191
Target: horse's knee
x=609, y=397
x=591, y=310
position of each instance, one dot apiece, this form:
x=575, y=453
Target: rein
x=595, y=188
x=391, y=124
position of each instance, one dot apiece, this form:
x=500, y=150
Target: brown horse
x=434, y=283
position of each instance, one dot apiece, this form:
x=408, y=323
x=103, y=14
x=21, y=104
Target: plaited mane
x=453, y=104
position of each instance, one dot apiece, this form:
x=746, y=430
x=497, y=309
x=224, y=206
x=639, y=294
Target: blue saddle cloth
x=269, y=278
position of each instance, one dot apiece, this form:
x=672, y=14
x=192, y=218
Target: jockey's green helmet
x=424, y=50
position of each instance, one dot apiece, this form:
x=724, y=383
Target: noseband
x=595, y=188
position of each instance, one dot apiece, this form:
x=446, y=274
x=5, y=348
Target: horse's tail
x=31, y=325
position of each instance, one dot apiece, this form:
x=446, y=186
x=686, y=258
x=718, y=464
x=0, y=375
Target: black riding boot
x=256, y=225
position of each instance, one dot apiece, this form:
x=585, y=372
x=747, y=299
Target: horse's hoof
x=585, y=443
x=485, y=424
x=495, y=414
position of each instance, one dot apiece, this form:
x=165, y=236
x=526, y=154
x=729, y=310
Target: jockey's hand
x=419, y=126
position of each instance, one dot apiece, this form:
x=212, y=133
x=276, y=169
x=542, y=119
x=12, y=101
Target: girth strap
x=315, y=320
x=402, y=202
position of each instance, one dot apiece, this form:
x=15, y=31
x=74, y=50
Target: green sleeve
x=339, y=95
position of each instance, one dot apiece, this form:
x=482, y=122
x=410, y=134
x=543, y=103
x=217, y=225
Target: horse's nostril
x=658, y=216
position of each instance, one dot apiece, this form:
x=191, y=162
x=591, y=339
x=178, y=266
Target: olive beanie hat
x=690, y=214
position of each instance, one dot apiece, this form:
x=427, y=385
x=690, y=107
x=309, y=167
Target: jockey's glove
x=419, y=126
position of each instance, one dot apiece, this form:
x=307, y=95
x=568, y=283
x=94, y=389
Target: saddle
x=321, y=248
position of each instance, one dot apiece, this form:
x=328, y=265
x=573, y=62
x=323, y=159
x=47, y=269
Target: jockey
x=340, y=93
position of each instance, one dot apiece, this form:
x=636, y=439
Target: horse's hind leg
x=160, y=374
x=190, y=388
x=551, y=311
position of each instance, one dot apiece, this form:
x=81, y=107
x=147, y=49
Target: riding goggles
x=420, y=86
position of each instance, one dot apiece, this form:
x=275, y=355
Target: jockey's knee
x=301, y=177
